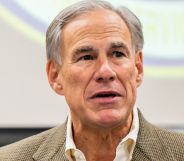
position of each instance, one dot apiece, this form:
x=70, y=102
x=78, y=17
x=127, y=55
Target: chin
x=113, y=119
x=108, y=124
x=109, y=121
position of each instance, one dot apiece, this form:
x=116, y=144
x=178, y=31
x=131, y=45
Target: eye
x=118, y=54
x=86, y=57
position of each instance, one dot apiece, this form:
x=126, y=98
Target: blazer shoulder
x=171, y=138
x=157, y=143
x=173, y=141
x=25, y=149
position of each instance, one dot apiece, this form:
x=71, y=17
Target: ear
x=139, y=67
x=54, y=76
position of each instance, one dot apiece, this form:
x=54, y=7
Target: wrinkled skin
x=98, y=58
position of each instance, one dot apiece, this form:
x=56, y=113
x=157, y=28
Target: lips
x=106, y=94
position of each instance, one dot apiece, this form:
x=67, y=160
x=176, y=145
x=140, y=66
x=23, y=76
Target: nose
x=104, y=72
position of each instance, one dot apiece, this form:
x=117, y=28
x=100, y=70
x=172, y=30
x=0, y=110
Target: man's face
x=100, y=72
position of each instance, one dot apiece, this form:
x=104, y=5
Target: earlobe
x=53, y=76
x=139, y=67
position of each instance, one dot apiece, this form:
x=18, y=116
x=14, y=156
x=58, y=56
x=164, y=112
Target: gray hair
x=54, y=36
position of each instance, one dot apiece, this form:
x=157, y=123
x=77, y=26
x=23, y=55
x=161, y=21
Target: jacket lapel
x=150, y=146
x=53, y=148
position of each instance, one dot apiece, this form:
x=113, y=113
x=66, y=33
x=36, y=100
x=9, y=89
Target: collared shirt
x=124, y=150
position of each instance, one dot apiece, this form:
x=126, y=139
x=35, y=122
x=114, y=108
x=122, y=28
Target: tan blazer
x=153, y=144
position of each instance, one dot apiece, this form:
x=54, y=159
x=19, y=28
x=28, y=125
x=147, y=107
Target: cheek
x=132, y=86
x=128, y=78
x=128, y=72
x=73, y=81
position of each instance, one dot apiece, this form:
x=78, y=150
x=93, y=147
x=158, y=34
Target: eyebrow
x=84, y=49
x=88, y=49
x=116, y=45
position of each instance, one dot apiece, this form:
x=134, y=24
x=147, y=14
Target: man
x=94, y=56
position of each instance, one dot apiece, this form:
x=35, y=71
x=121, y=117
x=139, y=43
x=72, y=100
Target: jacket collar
x=53, y=147
x=150, y=145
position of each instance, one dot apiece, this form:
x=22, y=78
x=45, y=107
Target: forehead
x=95, y=25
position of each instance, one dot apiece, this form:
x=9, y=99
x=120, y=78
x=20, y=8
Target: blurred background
x=27, y=103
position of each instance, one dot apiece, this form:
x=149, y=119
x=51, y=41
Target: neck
x=91, y=141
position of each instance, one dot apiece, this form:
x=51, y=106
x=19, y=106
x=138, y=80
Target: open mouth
x=106, y=95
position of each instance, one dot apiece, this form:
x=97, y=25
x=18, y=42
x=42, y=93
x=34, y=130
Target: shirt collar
x=130, y=139
x=133, y=133
x=70, y=145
